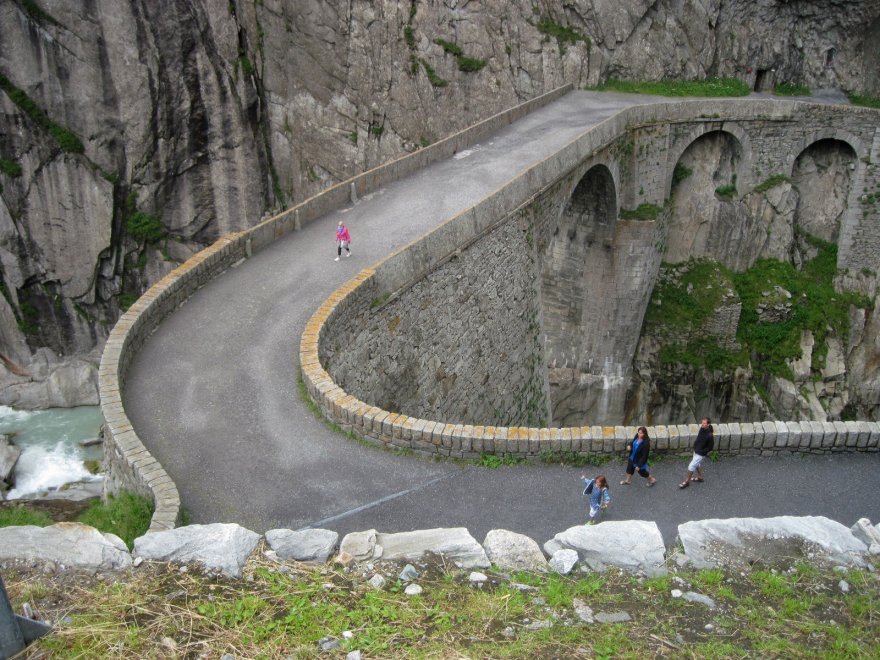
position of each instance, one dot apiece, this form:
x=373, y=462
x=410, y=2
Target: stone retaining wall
x=128, y=463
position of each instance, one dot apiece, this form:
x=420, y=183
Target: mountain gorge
x=135, y=133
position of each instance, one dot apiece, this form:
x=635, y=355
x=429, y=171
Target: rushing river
x=50, y=440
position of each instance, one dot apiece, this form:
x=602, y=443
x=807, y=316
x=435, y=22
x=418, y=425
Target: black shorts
x=630, y=469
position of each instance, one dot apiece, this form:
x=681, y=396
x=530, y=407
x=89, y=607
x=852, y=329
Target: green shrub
x=144, y=227
x=470, y=64
x=126, y=300
x=409, y=36
x=10, y=168
x=726, y=192
x=791, y=89
x=707, y=87
x=680, y=172
x=449, y=47
x=466, y=64
x=246, y=65
x=127, y=515
x=433, y=78
x=19, y=515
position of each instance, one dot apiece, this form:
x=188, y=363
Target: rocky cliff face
x=136, y=132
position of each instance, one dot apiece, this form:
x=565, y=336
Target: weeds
x=643, y=212
x=771, y=182
x=287, y=609
x=708, y=87
x=865, y=101
x=10, y=168
x=573, y=458
x=127, y=515
x=791, y=89
x=20, y=515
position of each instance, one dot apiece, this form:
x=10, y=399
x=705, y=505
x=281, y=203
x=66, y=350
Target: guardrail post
x=16, y=632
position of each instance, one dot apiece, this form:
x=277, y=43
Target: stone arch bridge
x=501, y=240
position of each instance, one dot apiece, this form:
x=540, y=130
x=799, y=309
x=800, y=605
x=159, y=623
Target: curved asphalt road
x=213, y=393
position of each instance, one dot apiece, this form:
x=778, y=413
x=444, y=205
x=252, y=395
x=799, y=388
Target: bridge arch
x=678, y=149
x=823, y=175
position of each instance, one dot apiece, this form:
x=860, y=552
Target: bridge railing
x=129, y=464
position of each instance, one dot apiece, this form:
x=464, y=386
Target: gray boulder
x=9, y=454
x=359, y=545
x=71, y=544
x=563, y=561
x=865, y=532
x=633, y=545
x=302, y=545
x=222, y=547
x=454, y=543
x=510, y=551
x=743, y=541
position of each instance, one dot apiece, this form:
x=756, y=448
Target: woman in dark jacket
x=704, y=444
x=639, y=449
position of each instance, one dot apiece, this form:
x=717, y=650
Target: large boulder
x=510, y=551
x=633, y=545
x=454, y=543
x=222, y=547
x=745, y=541
x=302, y=545
x=9, y=454
x=71, y=544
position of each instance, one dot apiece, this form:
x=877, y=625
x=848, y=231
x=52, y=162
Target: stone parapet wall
x=128, y=463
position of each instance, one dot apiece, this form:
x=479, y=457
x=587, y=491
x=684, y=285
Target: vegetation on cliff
x=779, y=303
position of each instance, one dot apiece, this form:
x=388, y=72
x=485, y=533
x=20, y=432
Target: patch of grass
x=493, y=461
x=127, y=515
x=573, y=458
x=791, y=89
x=726, y=192
x=126, y=300
x=409, y=36
x=10, y=168
x=563, y=34
x=353, y=136
x=642, y=212
x=433, y=78
x=702, y=88
x=92, y=465
x=18, y=515
x=245, y=64
x=284, y=609
x=465, y=63
x=771, y=182
x=65, y=138
x=376, y=131
x=865, y=101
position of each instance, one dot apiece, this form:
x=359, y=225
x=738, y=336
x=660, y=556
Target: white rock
x=412, y=590
x=676, y=593
x=634, y=545
x=302, y=545
x=454, y=543
x=510, y=551
x=73, y=544
x=360, y=545
x=477, y=577
x=223, y=547
x=584, y=612
x=563, y=561
x=865, y=532
x=734, y=541
x=377, y=581
x=844, y=586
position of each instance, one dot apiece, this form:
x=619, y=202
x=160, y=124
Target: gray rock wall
x=462, y=344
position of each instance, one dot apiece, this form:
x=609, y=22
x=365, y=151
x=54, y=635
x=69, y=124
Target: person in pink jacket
x=342, y=241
